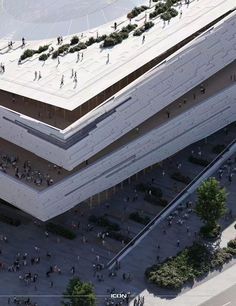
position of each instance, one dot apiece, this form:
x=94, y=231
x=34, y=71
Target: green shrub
x=42, y=49
x=138, y=32
x=101, y=38
x=232, y=244
x=112, y=40
x=27, y=53
x=231, y=251
x=209, y=232
x=135, y=216
x=189, y=264
x=60, y=230
x=181, y=178
x=144, y=28
x=55, y=54
x=90, y=41
x=148, y=25
x=198, y=161
x=173, y=12
x=136, y=11
x=79, y=293
x=44, y=57
x=74, y=40
x=166, y=16
x=30, y=52
x=63, y=48
x=10, y=220
x=78, y=47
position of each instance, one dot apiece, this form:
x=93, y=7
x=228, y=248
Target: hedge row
x=191, y=263
x=177, y=176
x=136, y=11
x=198, y=161
x=165, y=10
x=10, y=220
x=117, y=37
x=104, y=222
x=30, y=52
x=144, y=28
x=135, y=216
x=60, y=230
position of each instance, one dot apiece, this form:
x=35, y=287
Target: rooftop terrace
x=95, y=71
x=40, y=174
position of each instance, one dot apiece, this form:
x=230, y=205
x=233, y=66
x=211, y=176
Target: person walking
x=62, y=80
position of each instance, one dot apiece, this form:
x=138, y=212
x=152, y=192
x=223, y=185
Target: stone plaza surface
x=82, y=255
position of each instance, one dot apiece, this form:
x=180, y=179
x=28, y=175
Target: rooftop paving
x=94, y=72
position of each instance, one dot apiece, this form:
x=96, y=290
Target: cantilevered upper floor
x=100, y=72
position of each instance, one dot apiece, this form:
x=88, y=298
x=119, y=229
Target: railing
x=153, y=221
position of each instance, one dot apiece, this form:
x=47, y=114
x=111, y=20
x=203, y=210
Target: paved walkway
x=28, y=235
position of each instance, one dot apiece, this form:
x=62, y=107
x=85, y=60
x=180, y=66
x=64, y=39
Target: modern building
x=76, y=125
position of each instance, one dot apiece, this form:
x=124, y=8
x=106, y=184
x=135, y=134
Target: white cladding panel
x=156, y=89
x=196, y=123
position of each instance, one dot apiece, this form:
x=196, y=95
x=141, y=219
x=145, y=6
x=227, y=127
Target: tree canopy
x=80, y=293
x=211, y=204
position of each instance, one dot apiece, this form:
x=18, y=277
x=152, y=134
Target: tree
x=211, y=204
x=79, y=293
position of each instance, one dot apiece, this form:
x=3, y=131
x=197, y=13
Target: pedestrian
x=143, y=40
x=178, y=243
x=58, y=60
x=168, y=114
x=115, y=26
x=35, y=75
x=23, y=41
x=78, y=56
x=62, y=80
x=82, y=56
x=108, y=58
x=72, y=73
x=40, y=75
